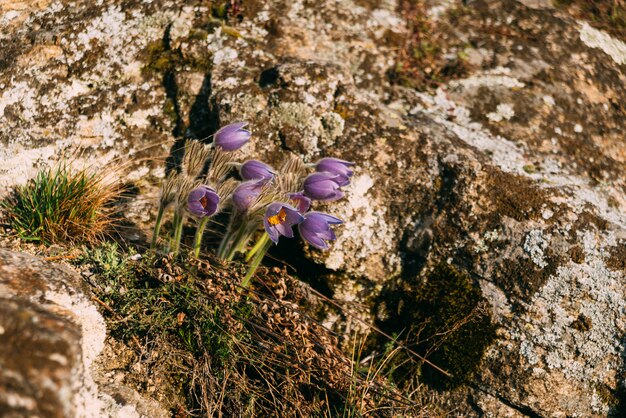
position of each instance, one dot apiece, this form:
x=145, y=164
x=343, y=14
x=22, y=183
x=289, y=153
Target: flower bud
x=231, y=137
x=322, y=186
x=338, y=167
x=203, y=201
x=256, y=170
x=315, y=229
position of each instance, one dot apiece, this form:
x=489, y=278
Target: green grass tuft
x=61, y=205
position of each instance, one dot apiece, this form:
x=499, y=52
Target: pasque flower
x=256, y=170
x=232, y=137
x=315, y=229
x=338, y=167
x=246, y=193
x=301, y=202
x=203, y=201
x=279, y=219
x=323, y=186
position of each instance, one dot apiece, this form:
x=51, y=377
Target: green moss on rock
x=444, y=319
x=160, y=59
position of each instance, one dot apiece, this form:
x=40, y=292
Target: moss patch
x=514, y=196
x=444, y=319
x=160, y=59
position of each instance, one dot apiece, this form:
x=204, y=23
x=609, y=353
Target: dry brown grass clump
x=61, y=205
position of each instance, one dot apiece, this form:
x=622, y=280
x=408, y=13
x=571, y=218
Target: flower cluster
x=262, y=199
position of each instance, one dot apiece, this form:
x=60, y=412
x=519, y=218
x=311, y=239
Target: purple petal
x=246, y=193
x=196, y=194
x=196, y=208
x=325, y=217
x=231, y=137
x=335, y=195
x=232, y=127
x=271, y=231
x=254, y=170
x=293, y=216
x=335, y=166
x=284, y=230
x=302, y=203
x=315, y=241
x=322, y=186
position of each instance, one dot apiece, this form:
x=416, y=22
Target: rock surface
x=514, y=173
x=50, y=335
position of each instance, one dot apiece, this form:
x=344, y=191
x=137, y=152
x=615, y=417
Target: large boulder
x=51, y=334
x=513, y=174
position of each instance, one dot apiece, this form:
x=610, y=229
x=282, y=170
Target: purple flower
x=256, y=170
x=232, y=137
x=203, y=201
x=323, y=186
x=301, y=202
x=279, y=219
x=338, y=167
x=315, y=229
x=246, y=193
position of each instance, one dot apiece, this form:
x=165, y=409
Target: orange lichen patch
x=40, y=55
x=19, y=11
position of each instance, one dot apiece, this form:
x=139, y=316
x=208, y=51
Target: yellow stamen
x=279, y=218
x=204, y=201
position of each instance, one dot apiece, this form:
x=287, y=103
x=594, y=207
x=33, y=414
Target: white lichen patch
x=504, y=111
x=365, y=240
x=20, y=94
x=302, y=117
x=535, y=245
x=595, y=38
x=500, y=306
x=547, y=214
x=222, y=53
x=386, y=20
x=575, y=322
x=510, y=157
x=17, y=165
x=499, y=76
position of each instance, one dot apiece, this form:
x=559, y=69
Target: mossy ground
x=218, y=348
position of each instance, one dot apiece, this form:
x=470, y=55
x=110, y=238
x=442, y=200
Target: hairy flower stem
x=255, y=256
x=225, y=243
x=239, y=240
x=257, y=247
x=197, y=239
x=236, y=238
x=179, y=221
x=157, y=227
